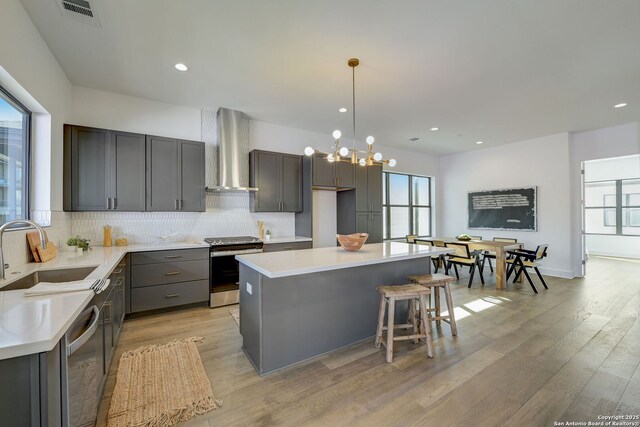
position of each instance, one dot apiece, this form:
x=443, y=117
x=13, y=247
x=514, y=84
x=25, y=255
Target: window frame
x=387, y=206
x=26, y=159
x=622, y=220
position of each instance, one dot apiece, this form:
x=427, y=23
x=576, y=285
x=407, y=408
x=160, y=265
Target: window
x=15, y=127
x=613, y=207
x=406, y=205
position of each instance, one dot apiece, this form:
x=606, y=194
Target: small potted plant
x=72, y=243
x=83, y=244
x=267, y=235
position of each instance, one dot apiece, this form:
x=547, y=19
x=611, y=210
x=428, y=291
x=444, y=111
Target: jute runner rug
x=161, y=385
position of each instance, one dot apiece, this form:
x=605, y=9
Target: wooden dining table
x=500, y=249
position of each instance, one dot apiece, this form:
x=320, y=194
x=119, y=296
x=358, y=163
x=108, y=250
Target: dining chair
x=524, y=259
x=463, y=256
x=438, y=261
x=411, y=238
x=491, y=254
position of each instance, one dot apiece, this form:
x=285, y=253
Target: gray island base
x=287, y=319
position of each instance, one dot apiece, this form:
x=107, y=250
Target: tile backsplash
x=227, y=214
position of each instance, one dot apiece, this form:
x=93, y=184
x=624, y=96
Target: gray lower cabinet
x=163, y=279
x=175, y=175
x=292, y=246
x=104, y=170
x=278, y=177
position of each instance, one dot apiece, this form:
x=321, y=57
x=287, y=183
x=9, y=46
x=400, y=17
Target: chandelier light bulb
x=344, y=151
x=337, y=134
x=370, y=140
x=363, y=162
x=392, y=162
x=330, y=158
x=309, y=151
x=377, y=157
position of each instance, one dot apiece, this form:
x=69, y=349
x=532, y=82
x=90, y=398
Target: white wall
x=96, y=108
x=540, y=162
x=616, y=141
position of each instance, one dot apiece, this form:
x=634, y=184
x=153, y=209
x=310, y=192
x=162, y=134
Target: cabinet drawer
x=170, y=295
x=169, y=272
x=277, y=247
x=139, y=258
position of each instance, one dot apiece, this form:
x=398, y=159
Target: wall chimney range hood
x=226, y=135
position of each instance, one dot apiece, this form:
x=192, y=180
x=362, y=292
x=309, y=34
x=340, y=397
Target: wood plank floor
x=571, y=353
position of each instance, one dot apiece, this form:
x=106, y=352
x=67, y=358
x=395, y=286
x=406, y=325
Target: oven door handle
x=238, y=252
x=82, y=339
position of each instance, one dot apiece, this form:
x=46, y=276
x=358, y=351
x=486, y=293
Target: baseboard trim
x=564, y=274
x=614, y=254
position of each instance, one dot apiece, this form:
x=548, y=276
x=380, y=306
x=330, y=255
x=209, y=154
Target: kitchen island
x=297, y=305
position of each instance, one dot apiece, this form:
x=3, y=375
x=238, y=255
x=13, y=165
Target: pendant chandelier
x=337, y=153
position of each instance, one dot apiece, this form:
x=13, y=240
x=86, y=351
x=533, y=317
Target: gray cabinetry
x=104, y=170
x=163, y=279
x=332, y=175
x=291, y=246
x=175, y=175
x=360, y=210
x=278, y=177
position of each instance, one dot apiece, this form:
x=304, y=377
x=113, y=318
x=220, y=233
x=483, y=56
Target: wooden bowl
x=352, y=242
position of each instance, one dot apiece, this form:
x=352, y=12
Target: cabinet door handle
x=113, y=204
x=173, y=256
x=172, y=273
x=172, y=295
x=175, y=204
x=180, y=203
x=108, y=203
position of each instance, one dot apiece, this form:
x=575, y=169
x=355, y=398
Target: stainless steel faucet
x=43, y=239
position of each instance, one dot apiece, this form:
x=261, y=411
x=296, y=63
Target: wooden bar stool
x=388, y=296
x=435, y=282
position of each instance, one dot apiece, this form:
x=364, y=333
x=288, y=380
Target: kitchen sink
x=56, y=276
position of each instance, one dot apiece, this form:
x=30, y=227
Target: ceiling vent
x=414, y=139
x=79, y=10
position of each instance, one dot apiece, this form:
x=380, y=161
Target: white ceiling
x=492, y=70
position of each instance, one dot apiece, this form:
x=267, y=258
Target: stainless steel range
x=224, y=273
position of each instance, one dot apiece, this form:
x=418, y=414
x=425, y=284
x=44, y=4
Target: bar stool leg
x=452, y=317
x=425, y=325
x=411, y=308
x=437, y=298
x=383, y=302
x=391, y=312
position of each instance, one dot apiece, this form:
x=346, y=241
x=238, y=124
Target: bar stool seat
x=435, y=282
x=388, y=297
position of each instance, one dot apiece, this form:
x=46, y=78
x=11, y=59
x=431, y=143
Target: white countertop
x=290, y=263
x=35, y=324
x=287, y=239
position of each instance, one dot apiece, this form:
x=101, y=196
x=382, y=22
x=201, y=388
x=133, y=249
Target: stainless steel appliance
x=82, y=369
x=224, y=273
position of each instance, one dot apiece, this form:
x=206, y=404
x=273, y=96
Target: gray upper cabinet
x=175, y=175
x=332, y=174
x=162, y=174
x=324, y=172
x=191, y=185
x=278, y=177
x=369, y=188
x=127, y=171
x=103, y=170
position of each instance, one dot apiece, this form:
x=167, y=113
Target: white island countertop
x=35, y=324
x=305, y=261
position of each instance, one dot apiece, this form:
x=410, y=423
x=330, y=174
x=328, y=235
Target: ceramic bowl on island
x=352, y=242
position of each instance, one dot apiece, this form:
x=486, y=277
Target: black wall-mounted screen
x=508, y=209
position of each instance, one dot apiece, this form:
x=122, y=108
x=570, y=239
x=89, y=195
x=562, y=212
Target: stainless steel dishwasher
x=82, y=368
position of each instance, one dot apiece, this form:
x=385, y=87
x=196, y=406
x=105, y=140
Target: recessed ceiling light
x=414, y=139
x=480, y=142
x=622, y=104
x=434, y=129
x=181, y=67
x=343, y=110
